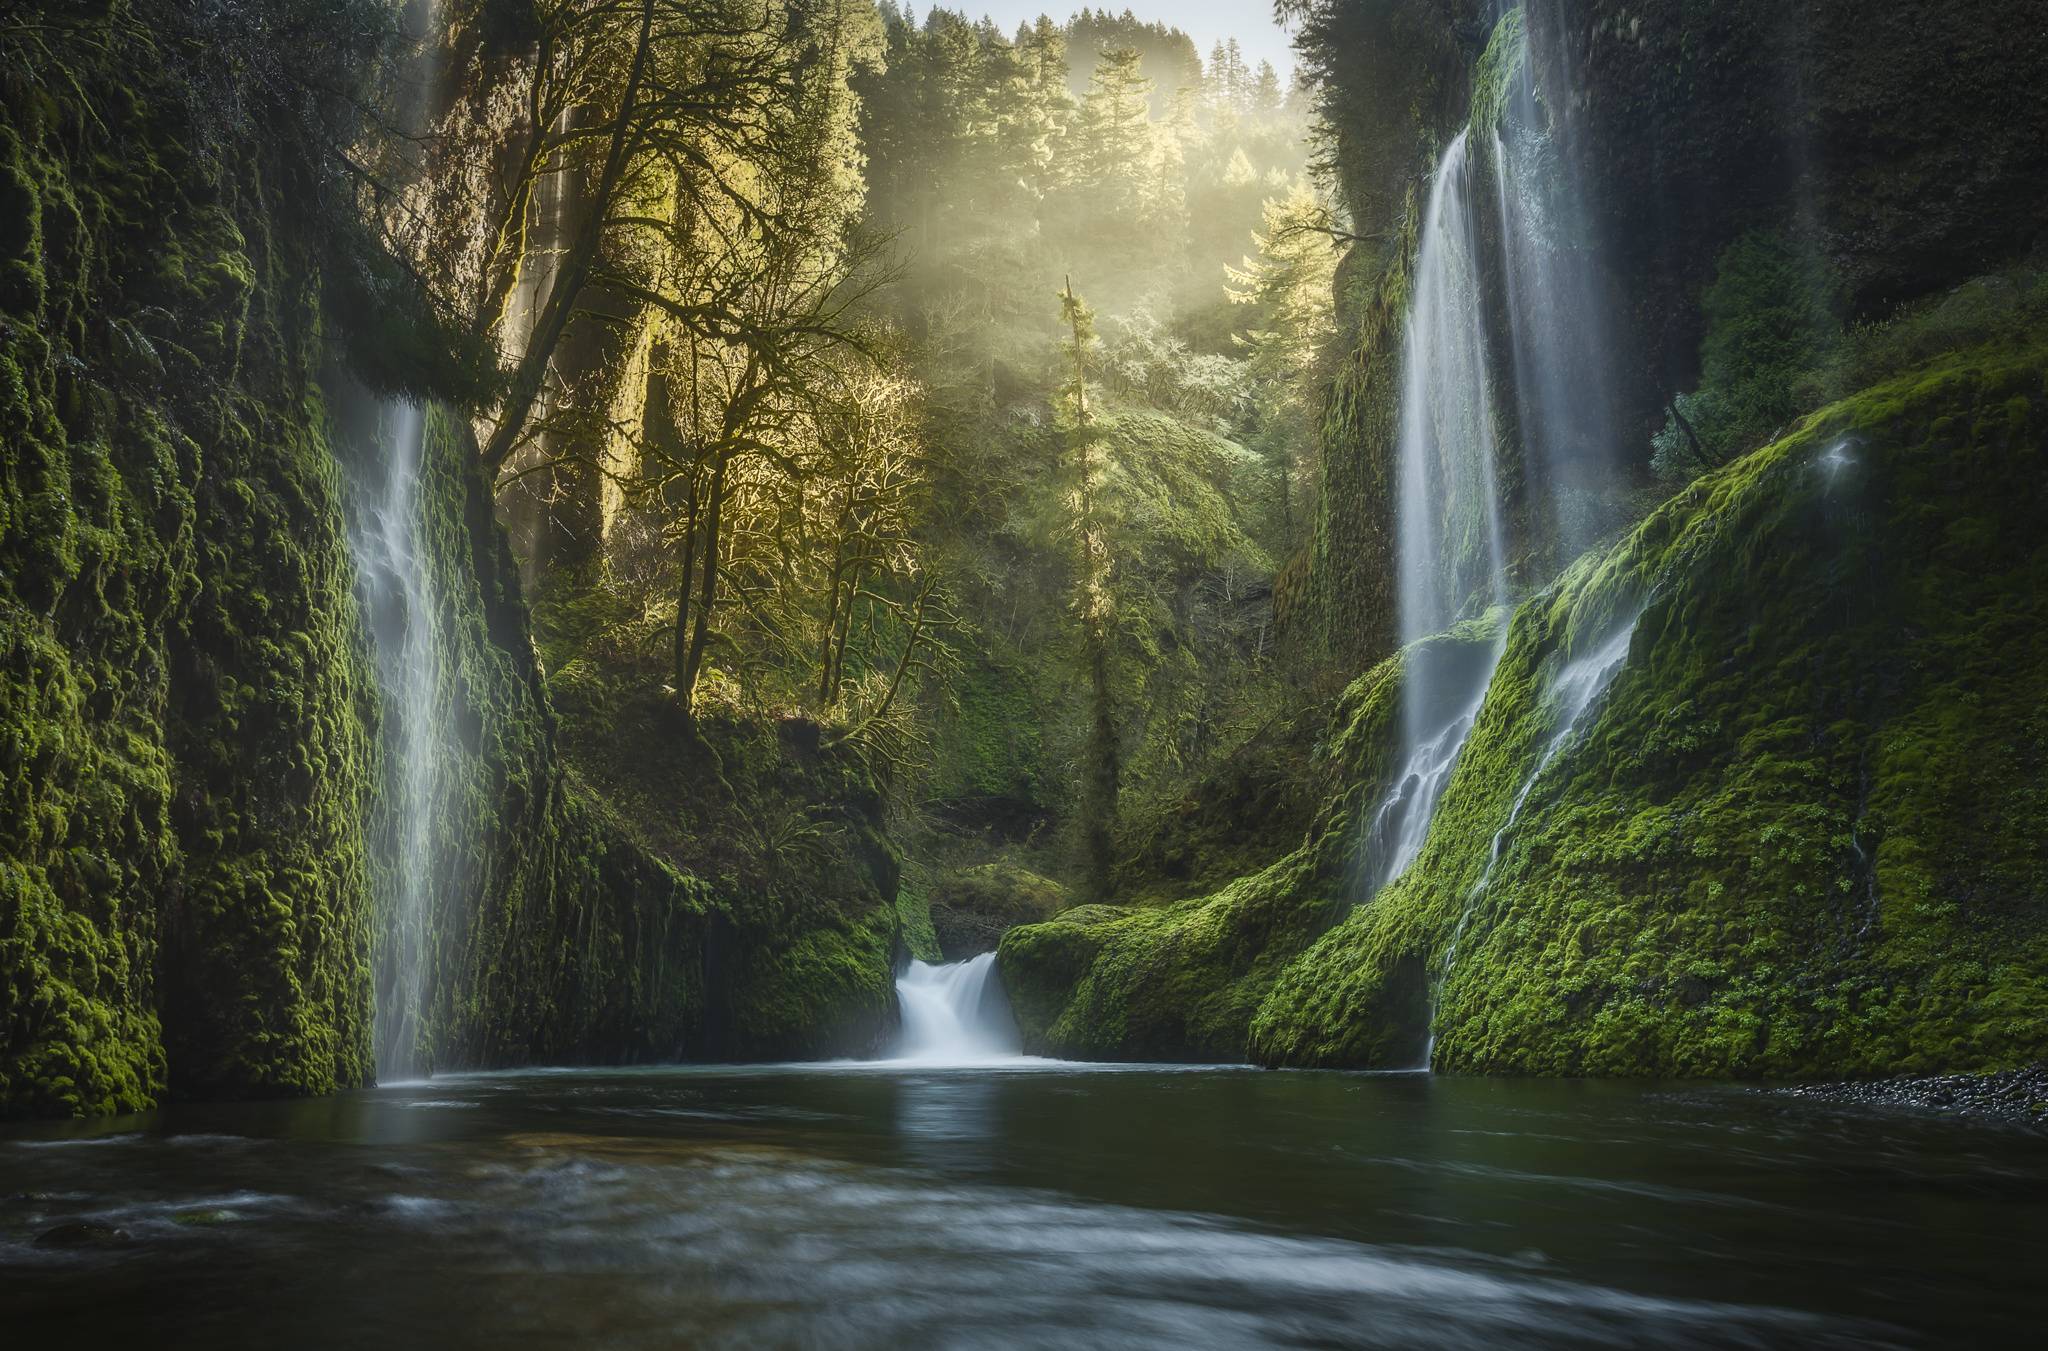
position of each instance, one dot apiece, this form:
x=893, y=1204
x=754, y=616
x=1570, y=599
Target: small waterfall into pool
x=400, y=606
x=955, y=1014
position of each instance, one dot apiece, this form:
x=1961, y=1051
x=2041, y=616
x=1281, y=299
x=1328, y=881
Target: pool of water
x=1028, y=1204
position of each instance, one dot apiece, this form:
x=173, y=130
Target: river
x=1027, y=1204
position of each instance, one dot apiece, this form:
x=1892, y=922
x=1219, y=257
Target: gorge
x=782, y=671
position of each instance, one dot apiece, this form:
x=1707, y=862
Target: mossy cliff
x=193, y=757
x=1790, y=838
x=185, y=705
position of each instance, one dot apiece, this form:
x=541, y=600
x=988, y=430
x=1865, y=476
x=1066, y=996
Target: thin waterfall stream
x=400, y=606
x=1573, y=692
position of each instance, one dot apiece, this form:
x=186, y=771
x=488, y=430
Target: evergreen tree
x=1115, y=138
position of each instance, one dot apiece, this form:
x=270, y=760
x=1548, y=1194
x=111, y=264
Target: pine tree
x=1115, y=142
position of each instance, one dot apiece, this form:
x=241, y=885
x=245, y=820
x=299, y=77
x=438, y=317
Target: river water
x=1036, y=1204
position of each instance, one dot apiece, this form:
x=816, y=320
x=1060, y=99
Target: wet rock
x=206, y=1217
x=83, y=1234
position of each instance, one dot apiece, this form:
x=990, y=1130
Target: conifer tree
x=1096, y=604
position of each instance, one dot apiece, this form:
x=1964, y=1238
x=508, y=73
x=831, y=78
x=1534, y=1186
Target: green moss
x=1500, y=65
x=971, y=908
x=184, y=704
x=193, y=832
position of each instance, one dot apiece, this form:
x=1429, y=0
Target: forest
x=651, y=646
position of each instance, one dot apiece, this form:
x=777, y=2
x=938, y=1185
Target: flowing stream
x=1032, y=1205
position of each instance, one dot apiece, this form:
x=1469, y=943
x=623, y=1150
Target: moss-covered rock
x=1791, y=838
x=972, y=908
x=196, y=826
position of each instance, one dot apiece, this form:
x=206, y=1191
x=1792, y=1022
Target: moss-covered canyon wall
x=194, y=751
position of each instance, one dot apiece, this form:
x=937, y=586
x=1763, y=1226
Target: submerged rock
x=83, y=1234
x=2019, y=1097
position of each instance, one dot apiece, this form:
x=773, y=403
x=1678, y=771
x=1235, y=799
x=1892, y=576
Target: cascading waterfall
x=955, y=1014
x=1572, y=693
x=1451, y=551
x=1450, y=543
x=1449, y=538
x=400, y=605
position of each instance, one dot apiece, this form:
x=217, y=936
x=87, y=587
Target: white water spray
x=955, y=1014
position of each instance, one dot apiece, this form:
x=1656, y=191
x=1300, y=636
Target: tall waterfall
x=402, y=617
x=1557, y=310
x=955, y=1014
x=1507, y=260
x=1449, y=538
x=1451, y=548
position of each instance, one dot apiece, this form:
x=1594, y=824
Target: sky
x=1206, y=21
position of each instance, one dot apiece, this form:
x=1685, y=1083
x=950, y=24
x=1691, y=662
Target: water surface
x=1029, y=1205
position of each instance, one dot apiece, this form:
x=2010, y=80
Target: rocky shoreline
x=2015, y=1097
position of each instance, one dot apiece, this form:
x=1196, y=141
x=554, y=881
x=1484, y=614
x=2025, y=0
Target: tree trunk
x=700, y=633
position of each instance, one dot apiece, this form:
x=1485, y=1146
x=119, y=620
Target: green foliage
x=1500, y=65
x=1771, y=328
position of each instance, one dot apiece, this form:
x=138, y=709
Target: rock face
x=193, y=743
x=1685, y=127
x=1698, y=122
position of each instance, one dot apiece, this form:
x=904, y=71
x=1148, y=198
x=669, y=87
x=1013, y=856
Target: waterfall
x=1401, y=823
x=1450, y=543
x=1557, y=320
x=1447, y=518
x=399, y=603
x=955, y=1014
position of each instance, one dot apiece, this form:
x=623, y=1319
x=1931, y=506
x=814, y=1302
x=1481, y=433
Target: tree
x=1290, y=288
x=1095, y=603
x=1114, y=139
